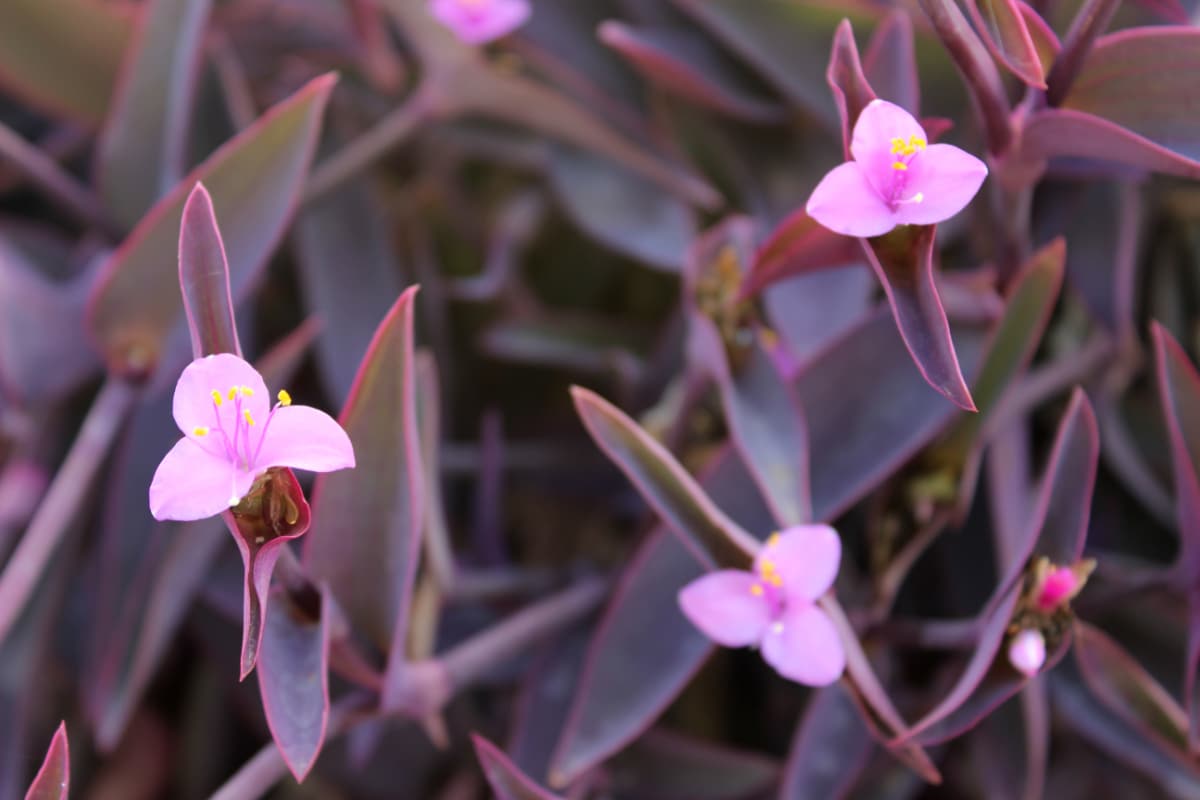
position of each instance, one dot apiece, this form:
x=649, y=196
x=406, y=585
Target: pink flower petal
x=845, y=202
x=190, y=483
x=724, y=607
x=193, y=403
x=804, y=646
x=871, y=142
x=947, y=179
x=806, y=557
x=304, y=438
x=481, y=21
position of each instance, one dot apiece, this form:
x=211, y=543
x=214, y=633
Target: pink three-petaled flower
x=896, y=177
x=480, y=21
x=232, y=434
x=774, y=606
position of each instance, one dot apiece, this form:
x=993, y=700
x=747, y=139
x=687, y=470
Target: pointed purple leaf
x=254, y=181
x=1179, y=392
x=662, y=765
x=544, y=702
x=1045, y=40
x=851, y=92
x=204, y=279
x=64, y=56
x=644, y=651
x=505, y=778
x=1067, y=133
x=830, y=749
x=1003, y=28
x=665, y=484
x=293, y=677
x=890, y=63
x=684, y=62
x=811, y=312
x=367, y=526
x=140, y=152
x=799, y=245
x=903, y=262
x=54, y=778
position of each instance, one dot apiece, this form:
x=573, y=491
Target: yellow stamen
x=756, y=590
x=217, y=397
x=200, y=430
x=249, y=419
x=899, y=165
x=898, y=145
x=247, y=391
x=773, y=539
x=232, y=392
x=285, y=399
x=916, y=143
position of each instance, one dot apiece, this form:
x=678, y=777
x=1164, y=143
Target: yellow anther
x=773, y=539
x=899, y=165
x=233, y=390
x=249, y=419
x=898, y=145
x=247, y=391
x=285, y=399
x=756, y=590
x=915, y=143
x=775, y=580
x=200, y=430
x=216, y=396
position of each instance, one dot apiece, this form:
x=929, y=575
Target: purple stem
x=419, y=107
x=58, y=184
x=71, y=484
x=1091, y=20
x=977, y=68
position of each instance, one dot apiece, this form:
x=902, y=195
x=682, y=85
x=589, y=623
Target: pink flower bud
x=1027, y=652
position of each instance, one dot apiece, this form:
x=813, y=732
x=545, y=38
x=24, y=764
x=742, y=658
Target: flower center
x=240, y=447
x=769, y=585
x=904, y=151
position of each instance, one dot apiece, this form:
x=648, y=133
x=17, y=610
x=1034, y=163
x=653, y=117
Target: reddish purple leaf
x=830, y=749
x=1002, y=25
x=890, y=63
x=1067, y=133
x=54, y=778
x=851, y=92
x=140, y=152
x=293, y=676
x=204, y=278
x=811, y=312
x=644, y=651
x=544, y=701
x=903, y=262
x=684, y=62
x=662, y=765
x=1124, y=687
x=1045, y=40
x=664, y=483
x=505, y=778
x=797, y=246
x=1179, y=392
x=367, y=530
x=63, y=55
x=254, y=180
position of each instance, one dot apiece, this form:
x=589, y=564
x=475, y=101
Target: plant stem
x=1091, y=20
x=59, y=185
x=71, y=484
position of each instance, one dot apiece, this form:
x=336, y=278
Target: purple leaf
x=1124, y=687
x=28, y=300
x=1045, y=40
x=350, y=274
x=811, y=312
x=1066, y=133
x=54, y=778
x=204, y=278
x=1179, y=392
x=505, y=778
x=293, y=677
x=621, y=209
x=63, y=55
x=662, y=765
x=890, y=64
x=903, y=262
x=797, y=246
x=685, y=63
x=644, y=651
x=856, y=442
x=1004, y=31
x=367, y=529
x=766, y=422
x=665, y=484
x=1145, y=81
x=140, y=152
x=830, y=748
x=544, y=701
x=851, y=92
x=254, y=180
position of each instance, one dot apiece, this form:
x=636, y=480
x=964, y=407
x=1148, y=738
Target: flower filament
x=240, y=448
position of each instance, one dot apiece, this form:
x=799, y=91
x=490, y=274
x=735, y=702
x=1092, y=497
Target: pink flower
x=896, y=177
x=480, y=21
x=1027, y=652
x=232, y=434
x=773, y=606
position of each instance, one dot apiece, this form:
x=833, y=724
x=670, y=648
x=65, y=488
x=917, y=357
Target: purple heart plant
x=692, y=272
